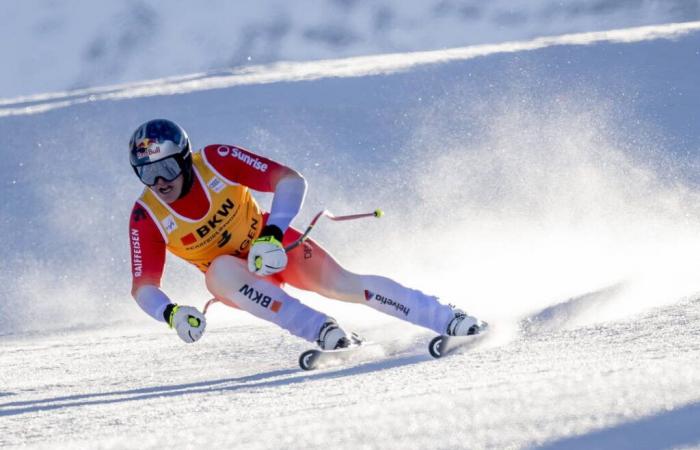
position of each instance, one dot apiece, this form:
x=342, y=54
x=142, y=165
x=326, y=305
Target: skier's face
x=168, y=191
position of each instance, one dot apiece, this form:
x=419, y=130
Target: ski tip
x=315, y=358
x=435, y=346
x=443, y=344
x=308, y=359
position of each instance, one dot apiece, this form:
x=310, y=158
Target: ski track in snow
x=562, y=368
x=87, y=44
x=307, y=71
x=628, y=384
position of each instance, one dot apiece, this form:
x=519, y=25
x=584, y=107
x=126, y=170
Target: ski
x=443, y=344
x=316, y=358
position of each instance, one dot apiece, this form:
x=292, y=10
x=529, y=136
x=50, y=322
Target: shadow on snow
x=666, y=430
x=263, y=380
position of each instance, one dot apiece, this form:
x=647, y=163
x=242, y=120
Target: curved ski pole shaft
x=213, y=300
x=376, y=213
x=208, y=304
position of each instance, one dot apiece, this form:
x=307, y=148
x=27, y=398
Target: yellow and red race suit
x=218, y=216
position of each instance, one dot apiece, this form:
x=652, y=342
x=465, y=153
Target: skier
x=198, y=206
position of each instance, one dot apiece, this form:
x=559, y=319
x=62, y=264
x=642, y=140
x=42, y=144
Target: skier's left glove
x=267, y=255
x=187, y=321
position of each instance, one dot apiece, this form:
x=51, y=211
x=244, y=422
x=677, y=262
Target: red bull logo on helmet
x=147, y=147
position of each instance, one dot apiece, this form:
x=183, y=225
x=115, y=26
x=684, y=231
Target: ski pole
x=325, y=213
x=210, y=302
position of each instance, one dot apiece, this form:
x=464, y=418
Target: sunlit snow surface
x=551, y=189
x=622, y=385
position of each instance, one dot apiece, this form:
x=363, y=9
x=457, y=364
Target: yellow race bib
x=232, y=222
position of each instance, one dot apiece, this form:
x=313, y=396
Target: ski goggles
x=168, y=169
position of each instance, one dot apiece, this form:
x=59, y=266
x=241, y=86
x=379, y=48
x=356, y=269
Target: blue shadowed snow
x=553, y=192
x=602, y=138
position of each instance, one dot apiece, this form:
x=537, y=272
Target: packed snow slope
x=548, y=186
x=48, y=45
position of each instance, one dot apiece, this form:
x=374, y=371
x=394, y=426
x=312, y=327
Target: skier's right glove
x=187, y=321
x=267, y=255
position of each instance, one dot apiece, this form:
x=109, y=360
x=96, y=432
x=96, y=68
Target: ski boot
x=464, y=325
x=332, y=337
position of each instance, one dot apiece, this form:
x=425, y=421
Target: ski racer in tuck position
x=198, y=206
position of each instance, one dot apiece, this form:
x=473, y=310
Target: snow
x=53, y=46
x=622, y=385
x=548, y=186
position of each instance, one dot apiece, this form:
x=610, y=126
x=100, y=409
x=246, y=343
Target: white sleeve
x=286, y=204
x=152, y=300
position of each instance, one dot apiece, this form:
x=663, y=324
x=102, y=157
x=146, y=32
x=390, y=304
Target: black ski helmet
x=160, y=148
